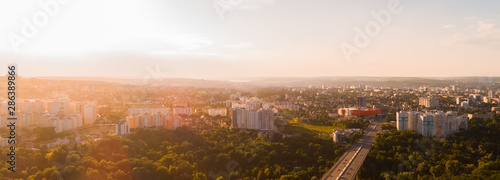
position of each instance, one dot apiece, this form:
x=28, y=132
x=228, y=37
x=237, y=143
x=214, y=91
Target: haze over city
x=250, y=38
x=249, y=89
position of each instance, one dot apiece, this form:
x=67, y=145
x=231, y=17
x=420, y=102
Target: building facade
x=122, y=128
x=431, y=124
x=262, y=119
x=429, y=102
x=402, y=121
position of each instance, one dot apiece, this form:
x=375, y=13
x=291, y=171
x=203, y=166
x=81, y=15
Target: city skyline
x=213, y=39
x=249, y=89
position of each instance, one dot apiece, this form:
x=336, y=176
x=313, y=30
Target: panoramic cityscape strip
x=249, y=90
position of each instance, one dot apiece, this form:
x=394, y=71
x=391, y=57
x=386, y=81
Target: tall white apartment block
x=431, y=124
x=427, y=125
x=89, y=113
x=122, y=128
x=429, y=102
x=402, y=120
x=412, y=121
x=262, y=119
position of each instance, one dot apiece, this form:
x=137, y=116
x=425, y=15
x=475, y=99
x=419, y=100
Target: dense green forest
x=473, y=154
x=182, y=154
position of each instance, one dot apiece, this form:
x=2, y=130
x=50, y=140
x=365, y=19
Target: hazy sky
x=248, y=38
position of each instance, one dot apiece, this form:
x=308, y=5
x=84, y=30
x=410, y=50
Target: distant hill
x=291, y=81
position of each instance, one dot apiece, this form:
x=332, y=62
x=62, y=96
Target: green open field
x=315, y=128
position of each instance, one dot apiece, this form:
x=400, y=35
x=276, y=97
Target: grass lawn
x=316, y=128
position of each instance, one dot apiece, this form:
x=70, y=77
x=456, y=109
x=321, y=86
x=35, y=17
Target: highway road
x=349, y=164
